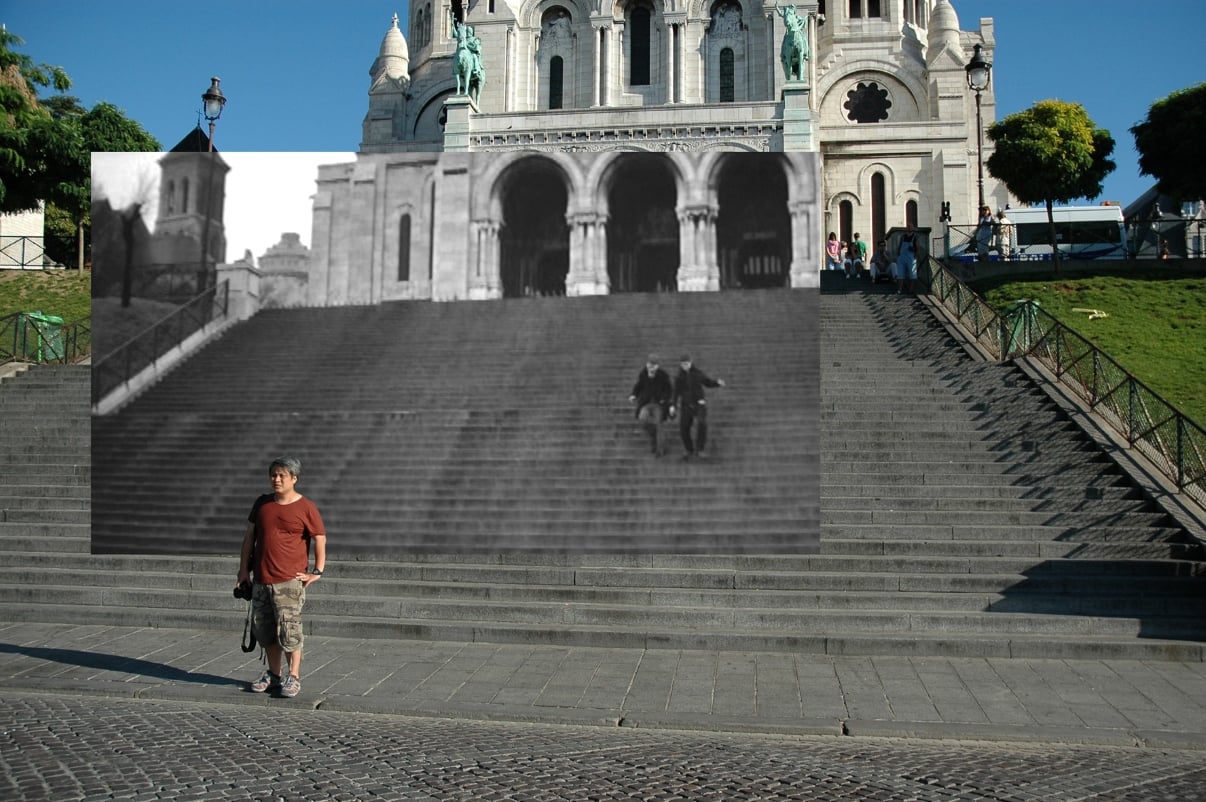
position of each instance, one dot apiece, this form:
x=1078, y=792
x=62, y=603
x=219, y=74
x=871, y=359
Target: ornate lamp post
x=214, y=101
x=979, y=73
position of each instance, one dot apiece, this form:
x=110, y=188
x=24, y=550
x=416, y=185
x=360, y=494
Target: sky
x=296, y=73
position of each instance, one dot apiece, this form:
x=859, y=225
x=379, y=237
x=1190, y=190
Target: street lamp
x=214, y=100
x=979, y=72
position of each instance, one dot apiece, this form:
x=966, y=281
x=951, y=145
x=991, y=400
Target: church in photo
x=580, y=147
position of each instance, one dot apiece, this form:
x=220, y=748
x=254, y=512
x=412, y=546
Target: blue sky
x=296, y=73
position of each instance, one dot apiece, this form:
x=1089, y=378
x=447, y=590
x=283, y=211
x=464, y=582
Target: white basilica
x=645, y=145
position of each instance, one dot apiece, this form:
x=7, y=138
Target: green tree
x=46, y=145
x=28, y=133
x=1051, y=153
x=1168, y=143
x=103, y=128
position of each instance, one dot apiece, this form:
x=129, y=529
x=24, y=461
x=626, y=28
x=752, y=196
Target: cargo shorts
x=276, y=614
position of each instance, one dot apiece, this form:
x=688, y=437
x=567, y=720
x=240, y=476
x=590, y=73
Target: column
x=586, y=236
x=596, y=95
x=671, y=75
x=805, y=250
x=698, y=270
x=484, y=283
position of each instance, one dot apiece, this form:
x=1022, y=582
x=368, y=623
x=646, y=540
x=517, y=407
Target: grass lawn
x=63, y=293
x=1155, y=325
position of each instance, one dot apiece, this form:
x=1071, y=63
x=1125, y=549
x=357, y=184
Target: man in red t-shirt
x=276, y=551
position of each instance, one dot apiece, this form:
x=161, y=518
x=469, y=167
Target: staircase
x=961, y=513
x=45, y=475
x=478, y=427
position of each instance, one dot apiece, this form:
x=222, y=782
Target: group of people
x=902, y=269
x=848, y=256
x=993, y=234
x=658, y=399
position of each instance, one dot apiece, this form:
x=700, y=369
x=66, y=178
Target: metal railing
x=976, y=315
x=22, y=253
x=1173, y=443
x=114, y=369
x=38, y=338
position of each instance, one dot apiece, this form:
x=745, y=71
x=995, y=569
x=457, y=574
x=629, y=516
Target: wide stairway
x=45, y=471
x=960, y=512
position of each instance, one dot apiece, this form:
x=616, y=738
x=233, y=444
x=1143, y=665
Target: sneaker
x=290, y=686
x=267, y=682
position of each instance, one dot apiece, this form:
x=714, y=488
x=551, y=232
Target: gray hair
x=291, y=464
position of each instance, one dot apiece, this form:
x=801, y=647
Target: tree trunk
x=79, y=244
x=1051, y=237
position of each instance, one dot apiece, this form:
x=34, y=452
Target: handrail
x=1174, y=443
x=117, y=367
x=30, y=337
x=1149, y=423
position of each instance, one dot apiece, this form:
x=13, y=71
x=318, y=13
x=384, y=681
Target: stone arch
x=648, y=63
x=724, y=50
x=530, y=199
x=556, y=58
x=904, y=90
x=640, y=195
x=753, y=230
x=428, y=122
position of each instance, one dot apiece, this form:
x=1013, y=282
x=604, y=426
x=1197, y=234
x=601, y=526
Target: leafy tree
x=46, y=145
x=103, y=128
x=1051, y=153
x=27, y=130
x=1167, y=141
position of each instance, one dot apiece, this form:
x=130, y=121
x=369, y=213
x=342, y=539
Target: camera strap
x=249, y=643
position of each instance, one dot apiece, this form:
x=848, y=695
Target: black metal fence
x=22, y=253
x=34, y=337
x=114, y=369
x=1175, y=444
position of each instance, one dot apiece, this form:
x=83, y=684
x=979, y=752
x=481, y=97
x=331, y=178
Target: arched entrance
x=642, y=233
x=534, y=238
x=753, y=224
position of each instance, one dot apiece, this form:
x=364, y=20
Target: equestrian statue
x=467, y=61
x=794, y=51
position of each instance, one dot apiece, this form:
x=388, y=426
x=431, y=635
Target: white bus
x=1081, y=232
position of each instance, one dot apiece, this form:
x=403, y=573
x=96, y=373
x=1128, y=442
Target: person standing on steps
x=276, y=552
x=652, y=394
x=691, y=406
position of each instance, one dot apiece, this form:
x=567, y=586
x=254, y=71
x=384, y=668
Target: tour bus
x=1082, y=232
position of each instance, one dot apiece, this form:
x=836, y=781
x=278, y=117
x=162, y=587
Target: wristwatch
x=316, y=572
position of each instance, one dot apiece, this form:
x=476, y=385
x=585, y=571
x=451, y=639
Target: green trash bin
x=42, y=338
x=1020, y=322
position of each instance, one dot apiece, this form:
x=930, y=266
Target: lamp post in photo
x=979, y=73
x=214, y=101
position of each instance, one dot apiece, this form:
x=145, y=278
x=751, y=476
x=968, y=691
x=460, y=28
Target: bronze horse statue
x=467, y=61
x=794, y=51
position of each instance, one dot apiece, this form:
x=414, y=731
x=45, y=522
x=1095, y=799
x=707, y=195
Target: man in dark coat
x=692, y=407
x=651, y=394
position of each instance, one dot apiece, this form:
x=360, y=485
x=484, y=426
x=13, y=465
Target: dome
x=943, y=27
x=393, y=61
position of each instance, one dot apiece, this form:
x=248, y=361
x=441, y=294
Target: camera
x=243, y=591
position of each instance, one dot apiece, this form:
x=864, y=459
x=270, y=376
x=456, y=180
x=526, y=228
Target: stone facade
x=464, y=226
x=882, y=115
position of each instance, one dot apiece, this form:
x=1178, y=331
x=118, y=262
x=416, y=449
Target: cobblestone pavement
x=81, y=748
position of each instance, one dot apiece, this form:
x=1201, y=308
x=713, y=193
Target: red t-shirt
x=282, y=537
